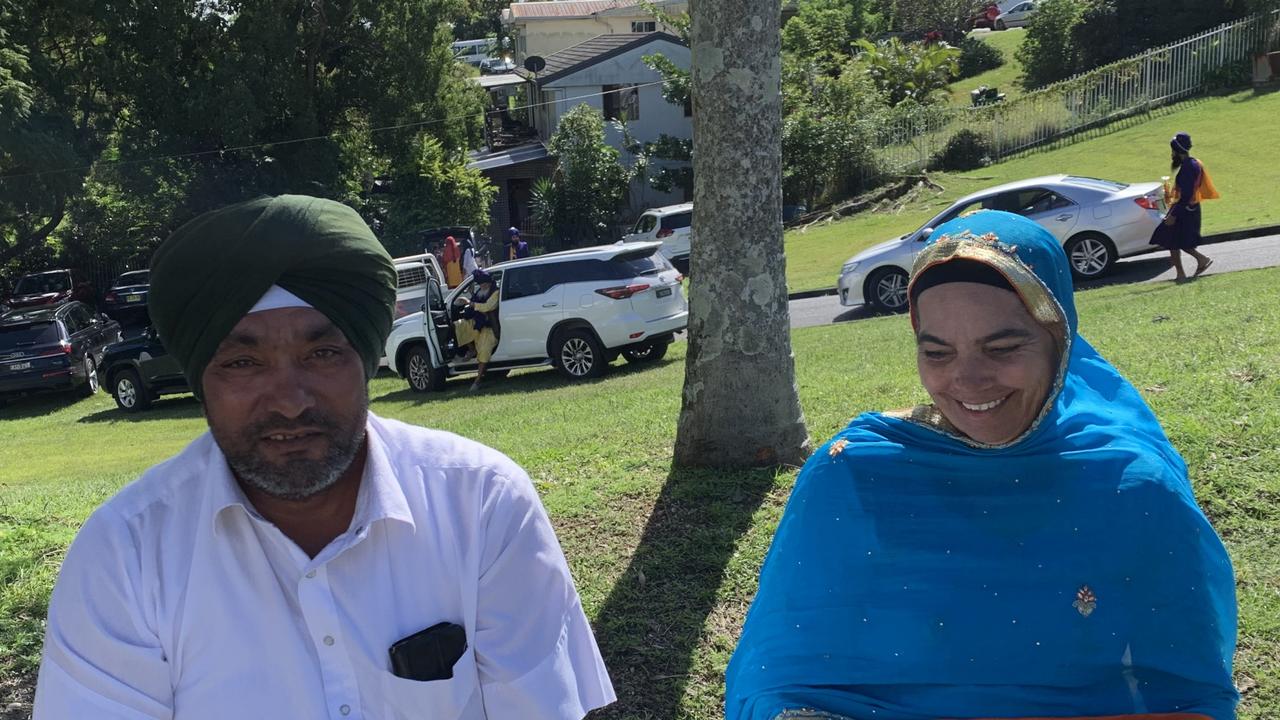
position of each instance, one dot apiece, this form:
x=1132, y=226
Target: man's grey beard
x=299, y=479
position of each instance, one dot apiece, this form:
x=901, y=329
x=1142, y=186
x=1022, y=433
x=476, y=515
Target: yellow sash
x=1205, y=189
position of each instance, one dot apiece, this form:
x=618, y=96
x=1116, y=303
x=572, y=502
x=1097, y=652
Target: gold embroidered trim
x=1039, y=301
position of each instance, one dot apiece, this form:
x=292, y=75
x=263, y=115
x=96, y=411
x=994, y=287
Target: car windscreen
x=137, y=277
x=642, y=262
x=645, y=224
x=43, y=283
x=38, y=333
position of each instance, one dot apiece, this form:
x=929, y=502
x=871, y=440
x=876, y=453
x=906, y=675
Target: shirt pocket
x=457, y=698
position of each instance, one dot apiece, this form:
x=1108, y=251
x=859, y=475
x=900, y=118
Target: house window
x=621, y=102
x=643, y=27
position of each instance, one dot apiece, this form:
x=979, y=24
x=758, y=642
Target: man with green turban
x=306, y=558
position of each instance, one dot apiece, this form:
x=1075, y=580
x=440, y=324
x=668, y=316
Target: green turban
x=215, y=268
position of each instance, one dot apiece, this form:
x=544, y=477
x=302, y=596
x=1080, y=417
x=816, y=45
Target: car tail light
x=1148, y=202
x=622, y=292
x=110, y=297
x=66, y=346
x=665, y=233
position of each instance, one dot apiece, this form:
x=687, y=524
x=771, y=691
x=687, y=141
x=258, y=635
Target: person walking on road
x=1180, y=230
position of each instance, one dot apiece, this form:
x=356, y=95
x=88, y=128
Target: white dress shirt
x=178, y=600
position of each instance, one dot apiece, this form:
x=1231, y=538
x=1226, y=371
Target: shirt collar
x=381, y=496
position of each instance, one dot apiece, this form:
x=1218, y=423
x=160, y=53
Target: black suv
x=139, y=370
x=53, y=348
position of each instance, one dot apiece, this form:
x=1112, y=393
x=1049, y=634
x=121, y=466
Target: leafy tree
x=56, y=115
x=1047, y=53
x=949, y=17
x=1136, y=25
x=828, y=131
x=825, y=30
x=589, y=184
x=909, y=70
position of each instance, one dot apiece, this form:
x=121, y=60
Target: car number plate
x=20, y=366
x=664, y=292
x=132, y=298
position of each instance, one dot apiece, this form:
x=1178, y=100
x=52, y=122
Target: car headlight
x=849, y=267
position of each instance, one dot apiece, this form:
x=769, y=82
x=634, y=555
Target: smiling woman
x=1019, y=548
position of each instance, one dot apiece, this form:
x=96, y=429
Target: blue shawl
x=919, y=575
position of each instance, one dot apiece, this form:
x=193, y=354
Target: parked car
x=672, y=226
x=139, y=370
x=984, y=17
x=52, y=287
x=495, y=65
x=127, y=298
x=576, y=310
x=53, y=348
x=1016, y=16
x=1097, y=221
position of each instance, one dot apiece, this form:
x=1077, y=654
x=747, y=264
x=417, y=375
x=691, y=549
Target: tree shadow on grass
x=1258, y=92
x=178, y=407
x=526, y=381
x=651, y=625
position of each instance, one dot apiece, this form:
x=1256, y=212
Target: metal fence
x=1137, y=84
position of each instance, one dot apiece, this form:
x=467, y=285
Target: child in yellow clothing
x=477, y=326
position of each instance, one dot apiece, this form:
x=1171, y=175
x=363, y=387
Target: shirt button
x=328, y=639
x=345, y=709
x=311, y=574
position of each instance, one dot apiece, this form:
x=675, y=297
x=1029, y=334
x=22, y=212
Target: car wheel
x=1001, y=26
x=649, y=352
x=1090, y=256
x=887, y=290
x=420, y=373
x=579, y=355
x=129, y=392
x=90, y=386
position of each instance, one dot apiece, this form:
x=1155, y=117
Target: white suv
x=672, y=226
x=577, y=310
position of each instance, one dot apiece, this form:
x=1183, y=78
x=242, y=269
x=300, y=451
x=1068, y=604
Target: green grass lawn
x=1232, y=134
x=666, y=560
x=1004, y=77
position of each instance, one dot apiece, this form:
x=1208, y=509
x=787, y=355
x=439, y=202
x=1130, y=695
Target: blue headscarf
x=917, y=574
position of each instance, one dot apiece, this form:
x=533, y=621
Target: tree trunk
x=740, y=406
x=25, y=242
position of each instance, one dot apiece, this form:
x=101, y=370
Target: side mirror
x=925, y=233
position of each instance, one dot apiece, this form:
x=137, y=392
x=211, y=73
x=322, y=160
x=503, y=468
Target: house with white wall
x=607, y=73
x=543, y=28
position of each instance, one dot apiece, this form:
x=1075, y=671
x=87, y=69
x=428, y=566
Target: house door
x=518, y=191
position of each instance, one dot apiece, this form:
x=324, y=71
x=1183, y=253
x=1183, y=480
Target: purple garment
x=1184, y=234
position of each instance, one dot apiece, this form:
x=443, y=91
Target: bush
x=977, y=57
x=966, y=150
x=1048, y=53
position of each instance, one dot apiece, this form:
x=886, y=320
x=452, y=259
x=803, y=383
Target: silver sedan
x=1097, y=221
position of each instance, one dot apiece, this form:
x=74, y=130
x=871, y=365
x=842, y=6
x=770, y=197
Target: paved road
x=1227, y=257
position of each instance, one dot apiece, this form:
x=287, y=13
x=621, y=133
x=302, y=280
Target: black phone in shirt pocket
x=429, y=654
